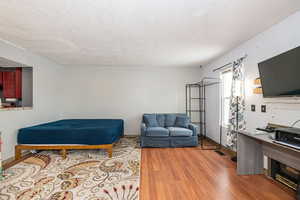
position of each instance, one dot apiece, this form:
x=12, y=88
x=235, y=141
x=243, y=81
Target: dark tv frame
x=261, y=80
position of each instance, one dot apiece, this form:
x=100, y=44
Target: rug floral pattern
x=84, y=175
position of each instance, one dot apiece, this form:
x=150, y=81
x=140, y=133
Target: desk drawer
x=282, y=155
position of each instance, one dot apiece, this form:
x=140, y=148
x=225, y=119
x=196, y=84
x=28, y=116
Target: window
x=226, y=78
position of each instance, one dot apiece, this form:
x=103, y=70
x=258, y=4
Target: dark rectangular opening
x=16, y=87
x=286, y=175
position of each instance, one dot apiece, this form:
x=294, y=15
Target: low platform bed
x=63, y=148
x=71, y=134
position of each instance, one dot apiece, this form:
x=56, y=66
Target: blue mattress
x=73, y=131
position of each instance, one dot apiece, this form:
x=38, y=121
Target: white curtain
x=237, y=104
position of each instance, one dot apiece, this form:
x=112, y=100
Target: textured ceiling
x=137, y=32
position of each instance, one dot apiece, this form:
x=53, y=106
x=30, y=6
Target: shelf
x=257, y=81
x=15, y=108
x=257, y=90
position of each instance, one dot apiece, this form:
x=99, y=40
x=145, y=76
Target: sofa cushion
x=170, y=120
x=157, y=132
x=182, y=121
x=150, y=120
x=160, y=120
x=177, y=131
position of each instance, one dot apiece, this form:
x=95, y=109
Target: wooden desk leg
x=64, y=153
x=109, y=151
x=18, y=153
x=249, y=156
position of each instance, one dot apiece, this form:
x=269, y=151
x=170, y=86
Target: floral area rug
x=84, y=175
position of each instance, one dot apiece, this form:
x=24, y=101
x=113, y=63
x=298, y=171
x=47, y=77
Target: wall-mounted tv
x=280, y=75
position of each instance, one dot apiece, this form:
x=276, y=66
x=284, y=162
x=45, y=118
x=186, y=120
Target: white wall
x=278, y=39
x=27, y=87
x=92, y=92
x=95, y=92
x=47, y=91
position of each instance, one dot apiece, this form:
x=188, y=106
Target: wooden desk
x=252, y=148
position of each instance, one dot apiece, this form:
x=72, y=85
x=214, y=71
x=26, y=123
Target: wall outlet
x=253, y=108
x=263, y=108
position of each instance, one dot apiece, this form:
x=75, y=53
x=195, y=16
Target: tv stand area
x=252, y=148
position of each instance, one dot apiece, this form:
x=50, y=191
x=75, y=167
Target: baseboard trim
x=223, y=148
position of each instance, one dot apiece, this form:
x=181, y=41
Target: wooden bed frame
x=63, y=148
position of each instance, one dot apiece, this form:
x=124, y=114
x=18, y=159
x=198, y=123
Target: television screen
x=280, y=75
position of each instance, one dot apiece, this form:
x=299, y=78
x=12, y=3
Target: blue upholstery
x=160, y=119
x=143, y=129
x=73, y=131
x=193, y=127
x=182, y=121
x=170, y=120
x=157, y=132
x=167, y=134
x=176, y=131
x=150, y=120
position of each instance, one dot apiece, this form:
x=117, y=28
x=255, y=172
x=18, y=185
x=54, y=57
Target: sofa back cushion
x=160, y=119
x=182, y=121
x=170, y=120
x=150, y=120
x=166, y=120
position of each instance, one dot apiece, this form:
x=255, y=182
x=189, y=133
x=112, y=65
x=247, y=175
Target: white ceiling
x=9, y=63
x=137, y=32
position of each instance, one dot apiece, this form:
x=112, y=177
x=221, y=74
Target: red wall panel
x=1, y=79
x=19, y=83
x=9, y=84
x=12, y=84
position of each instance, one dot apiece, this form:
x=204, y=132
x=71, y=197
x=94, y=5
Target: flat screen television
x=280, y=75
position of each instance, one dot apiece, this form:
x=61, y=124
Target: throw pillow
x=170, y=120
x=160, y=120
x=150, y=121
x=182, y=121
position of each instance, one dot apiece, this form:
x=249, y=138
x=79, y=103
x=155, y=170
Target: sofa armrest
x=143, y=129
x=193, y=127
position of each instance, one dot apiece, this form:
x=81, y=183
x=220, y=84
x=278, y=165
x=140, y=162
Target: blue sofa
x=168, y=130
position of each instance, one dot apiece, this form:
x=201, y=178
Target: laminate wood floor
x=192, y=173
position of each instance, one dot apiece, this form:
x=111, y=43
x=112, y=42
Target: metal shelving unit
x=193, y=99
x=196, y=103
